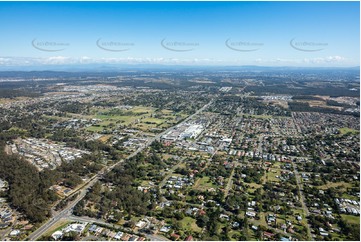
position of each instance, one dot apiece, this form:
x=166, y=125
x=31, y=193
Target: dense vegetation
x=13, y=93
x=29, y=191
x=326, y=90
x=305, y=107
x=123, y=196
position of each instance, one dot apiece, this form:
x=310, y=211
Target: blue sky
x=193, y=33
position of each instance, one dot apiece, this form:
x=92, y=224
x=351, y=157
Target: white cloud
x=328, y=59
x=311, y=61
x=63, y=60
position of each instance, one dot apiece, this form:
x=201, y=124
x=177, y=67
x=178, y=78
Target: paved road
x=83, y=190
x=5, y=232
x=169, y=173
x=83, y=219
x=63, y=213
x=229, y=184
x=302, y=199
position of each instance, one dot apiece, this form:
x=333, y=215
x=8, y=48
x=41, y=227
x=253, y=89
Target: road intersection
x=66, y=212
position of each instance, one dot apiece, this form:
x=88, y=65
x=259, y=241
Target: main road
x=152, y=237
x=66, y=212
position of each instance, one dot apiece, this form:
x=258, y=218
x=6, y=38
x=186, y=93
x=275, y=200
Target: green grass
x=57, y=118
x=144, y=183
x=153, y=120
x=126, y=119
x=58, y=226
x=334, y=184
x=346, y=130
x=95, y=128
x=141, y=109
x=277, y=165
x=293, y=219
x=252, y=235
x=188, y=222
x=204, y=183
x=166, y=111
x=257, y=116
x=17, y=129
x=351, y=218
x=271, y=175
x=298, y=211
x=253, y=186
x=165, y=118
x=262, y=219
x=233, y=232
x=347, y=196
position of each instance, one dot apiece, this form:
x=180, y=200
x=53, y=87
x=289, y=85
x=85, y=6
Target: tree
x=245, y=227
x=202, y=221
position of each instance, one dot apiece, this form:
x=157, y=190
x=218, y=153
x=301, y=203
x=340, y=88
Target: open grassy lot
x=293, y=219
x=257, y=116
x=153, y=120
x=166, y=156
x=95, y=128
x=144, y=183
x=347, y=196
x=106, y=119
x=141, y=109
x=351, y=218
x=56, y=118
x=57, y=226
x=348, y=130
x=262, y=219
x=271, y=175
x=204, y=183
x=188, y=222
x=264, y=116
x=277, y=165
x=13, y=128
x=334, y=184
x=105, y=138
x=252, y=235
x=253, y=186
x=234, y=234
x=139, y=117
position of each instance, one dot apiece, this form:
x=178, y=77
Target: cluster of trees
x=72, y=139
x=337, y=104
x=227, y=105
x=124, y=196
x=306, y=97
x=324, y=90
x=253, y=174
x=63, y=203
x=348, y=230
x=28, y=189
x=236, y=202
x=351, y=231
x=305, y=107
x=268, y=200
x=120, y=112
x=22, y=124
x=73, y=107
x=13, y=93
x=174, y=101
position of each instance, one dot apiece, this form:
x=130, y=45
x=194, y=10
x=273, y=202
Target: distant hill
x=157, y=67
